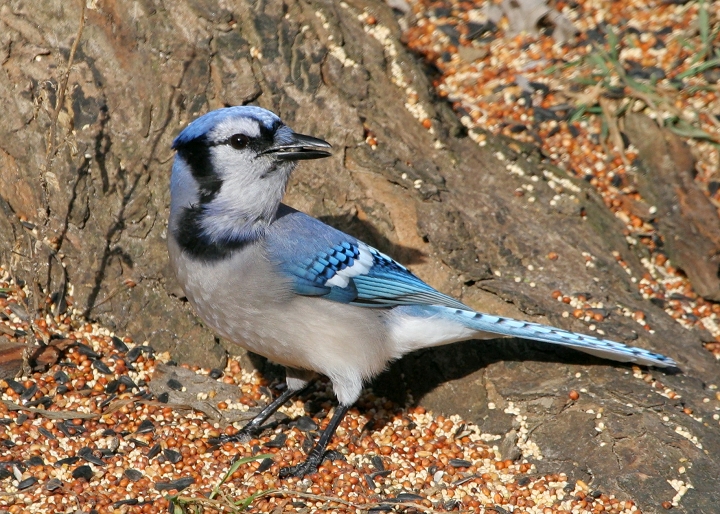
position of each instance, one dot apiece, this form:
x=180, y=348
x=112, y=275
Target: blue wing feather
x=389, y=283
x=306, y=287
x=604, y=348
x=311, y=254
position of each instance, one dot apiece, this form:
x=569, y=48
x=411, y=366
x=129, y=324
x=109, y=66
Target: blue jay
x=286, y=286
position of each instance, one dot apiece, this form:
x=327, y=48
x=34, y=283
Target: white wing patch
x=361, y=266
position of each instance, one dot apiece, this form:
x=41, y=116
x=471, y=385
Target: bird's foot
x=242, y=436
x=310, y=465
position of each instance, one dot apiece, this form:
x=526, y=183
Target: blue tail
x=599, y=347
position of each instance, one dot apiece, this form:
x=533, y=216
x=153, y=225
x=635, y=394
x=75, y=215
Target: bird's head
x=230, y=173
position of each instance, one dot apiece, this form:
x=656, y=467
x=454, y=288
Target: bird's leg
x=315, y=457
x=253, y=427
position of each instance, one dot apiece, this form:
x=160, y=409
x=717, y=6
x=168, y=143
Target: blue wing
x=324, y=262
x=390, y=283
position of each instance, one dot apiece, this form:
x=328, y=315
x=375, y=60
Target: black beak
x=300, y=148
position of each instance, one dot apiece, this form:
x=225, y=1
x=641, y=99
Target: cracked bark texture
x=144, y=69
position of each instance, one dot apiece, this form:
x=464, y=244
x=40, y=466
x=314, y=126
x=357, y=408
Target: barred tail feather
x=527, y=330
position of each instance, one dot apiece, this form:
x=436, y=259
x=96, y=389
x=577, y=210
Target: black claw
x=308, y=467
x=304, y=468
x=243, y=436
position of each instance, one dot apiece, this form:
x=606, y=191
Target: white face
x=252, y=185
x=229, y=175
x=237, y=184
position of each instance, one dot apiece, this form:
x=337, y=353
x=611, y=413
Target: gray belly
x=249, y=303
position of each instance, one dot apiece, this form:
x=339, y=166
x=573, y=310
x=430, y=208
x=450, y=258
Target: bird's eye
x=239, y=141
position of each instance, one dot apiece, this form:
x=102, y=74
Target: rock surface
x=88, y=177
x=688, y=219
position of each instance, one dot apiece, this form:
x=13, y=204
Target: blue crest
x=207, y=122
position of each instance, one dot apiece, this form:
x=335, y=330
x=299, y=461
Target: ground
x=573, y=183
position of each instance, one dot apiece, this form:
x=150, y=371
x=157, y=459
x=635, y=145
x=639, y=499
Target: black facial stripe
x=222, y=142
x=192, y=241
x=257, y=144
x=197, y=154
x=268, y=133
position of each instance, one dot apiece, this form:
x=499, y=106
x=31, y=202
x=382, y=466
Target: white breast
x=246, y=301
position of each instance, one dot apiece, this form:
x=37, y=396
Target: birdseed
x=99, y=440
x=103, y=442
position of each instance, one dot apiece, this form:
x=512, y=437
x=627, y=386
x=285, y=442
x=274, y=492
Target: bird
x=299, y=292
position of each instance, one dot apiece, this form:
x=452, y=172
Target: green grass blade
x=177, y=509
x=704, y=26
x=235, y=467
x=613, y=44
x=600, y=63
x=244, y=504
x=579, y=113
x=684, y=129
x=712, y=63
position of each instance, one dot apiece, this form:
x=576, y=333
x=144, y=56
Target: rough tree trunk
x=90, y=183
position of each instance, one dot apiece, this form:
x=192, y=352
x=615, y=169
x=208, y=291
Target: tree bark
x=84, y=171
